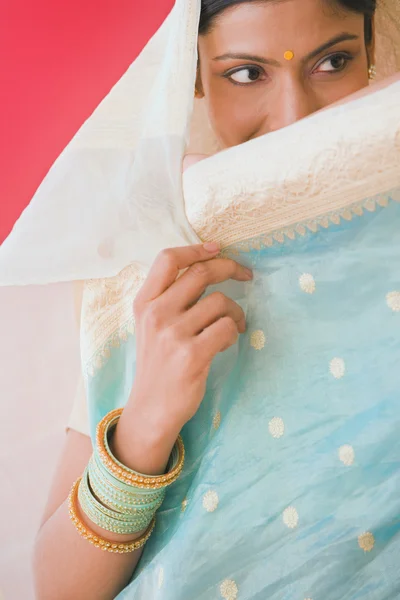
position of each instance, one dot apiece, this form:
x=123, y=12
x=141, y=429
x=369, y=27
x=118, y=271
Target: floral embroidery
x=307, y=283
x=210, y=501
x=217, y=420
x=107, y=315
x=393, y=301
x=366, y=541
x=257, y=339
x=337, y=368
x=290, y=517
x=346, y=455
x=229, y=589
x=276, y=427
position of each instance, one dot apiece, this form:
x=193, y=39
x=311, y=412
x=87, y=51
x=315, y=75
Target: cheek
x=232, y=117
x=349, y=84
x=342, y=89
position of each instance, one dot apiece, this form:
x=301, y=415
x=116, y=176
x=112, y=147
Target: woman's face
x=250, y=88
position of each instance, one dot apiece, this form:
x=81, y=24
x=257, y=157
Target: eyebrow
x=244, y=56
x=342, y=37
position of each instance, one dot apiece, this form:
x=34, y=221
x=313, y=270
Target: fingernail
x=249, y=273
x=211, y=246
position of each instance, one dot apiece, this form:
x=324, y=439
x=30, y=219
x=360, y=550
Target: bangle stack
x=117, y=498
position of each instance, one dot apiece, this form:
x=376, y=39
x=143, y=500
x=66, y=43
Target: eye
x=244, y=75
x=334, y=63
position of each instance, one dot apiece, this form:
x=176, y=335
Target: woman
x=290, y=476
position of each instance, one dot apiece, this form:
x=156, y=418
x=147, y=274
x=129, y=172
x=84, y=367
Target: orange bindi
x=289, y=55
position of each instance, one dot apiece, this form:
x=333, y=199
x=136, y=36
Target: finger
x=216, y=338
x=208, y=310
x=167, y=265
x=193, y=283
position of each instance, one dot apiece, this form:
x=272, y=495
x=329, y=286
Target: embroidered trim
x=107, y=316
x=280, y=236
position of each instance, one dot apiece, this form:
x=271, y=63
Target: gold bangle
x=94, y=538
x=123, y=473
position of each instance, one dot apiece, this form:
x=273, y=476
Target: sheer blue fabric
x=290, y=489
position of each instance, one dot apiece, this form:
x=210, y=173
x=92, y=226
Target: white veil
x=124, y=198
x=113, y=196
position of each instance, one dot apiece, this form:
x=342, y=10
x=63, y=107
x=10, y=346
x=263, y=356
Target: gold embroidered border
x=282, y=235
x=107, y=316
x=232, y=201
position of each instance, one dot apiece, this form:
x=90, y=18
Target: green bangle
x=106, y=518
x=105, y=430
x=86, y=490
x=126, y=502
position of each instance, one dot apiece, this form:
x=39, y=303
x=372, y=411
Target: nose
x=293, y=101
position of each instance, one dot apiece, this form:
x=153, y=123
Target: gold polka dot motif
x=307, y=283
x=229, y=589
x=347, y=455
x=160, y=577
x=393, y=301
x=366, y=541
x=276, y=427
x=210, y=501
x=257, y=339
x=217, y=420
x=184, y=504
x=290, y=517
x=337, y=368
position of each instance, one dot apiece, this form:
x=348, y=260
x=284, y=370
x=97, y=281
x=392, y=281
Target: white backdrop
x=32, y=429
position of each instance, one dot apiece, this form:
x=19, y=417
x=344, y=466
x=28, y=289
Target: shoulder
x=191, y=159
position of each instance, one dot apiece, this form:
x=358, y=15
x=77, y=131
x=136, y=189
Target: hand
x=179, y=334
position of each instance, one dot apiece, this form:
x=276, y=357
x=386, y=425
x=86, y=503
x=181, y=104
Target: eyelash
x=229, y=74
x=348, y=57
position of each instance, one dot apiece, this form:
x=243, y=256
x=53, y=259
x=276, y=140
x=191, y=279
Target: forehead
x=278, y=25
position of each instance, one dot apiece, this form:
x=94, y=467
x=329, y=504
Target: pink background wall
x=57, y=61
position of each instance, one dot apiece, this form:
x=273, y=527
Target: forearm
x=67, y=566
x=87, y=572
x=141, y=441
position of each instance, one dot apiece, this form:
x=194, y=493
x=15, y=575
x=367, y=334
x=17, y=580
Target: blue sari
x=290, y=489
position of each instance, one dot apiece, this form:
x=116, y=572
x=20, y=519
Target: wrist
x=142, y=443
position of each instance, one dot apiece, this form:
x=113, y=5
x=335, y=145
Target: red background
x=58, y=60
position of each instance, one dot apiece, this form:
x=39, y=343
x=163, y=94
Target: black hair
x=210, y=9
